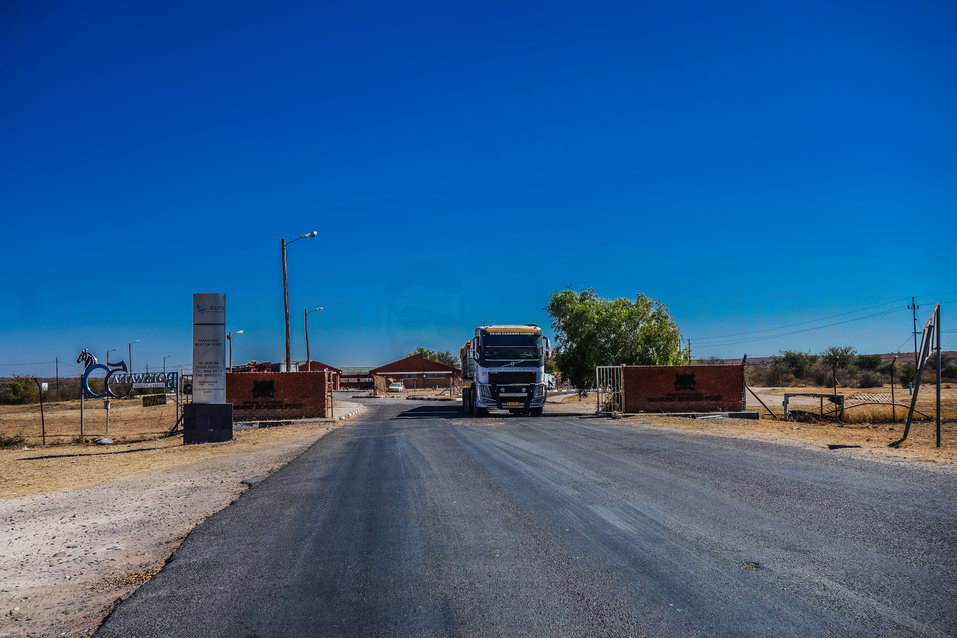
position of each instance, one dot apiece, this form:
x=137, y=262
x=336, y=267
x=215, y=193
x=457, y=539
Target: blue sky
x=751, y=165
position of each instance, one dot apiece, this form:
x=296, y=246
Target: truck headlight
x=539, y=391
x=485, y=392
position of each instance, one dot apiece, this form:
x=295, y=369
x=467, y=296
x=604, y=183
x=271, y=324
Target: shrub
x=868, y=361
x=949, y=370
x=799, y=363
x=17, y=391
x=12, y=440
x=907, y=375
x=869, y=379
x=822, y=375
x=777, y=374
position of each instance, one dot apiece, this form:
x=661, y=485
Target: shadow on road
x=455, y=412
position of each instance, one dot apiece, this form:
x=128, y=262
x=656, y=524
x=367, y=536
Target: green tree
x=18, y=390
x=592, y=331
x=799, y=363
x=838, y=358
x=868, y=361
x=908, y=375
x=446, y=357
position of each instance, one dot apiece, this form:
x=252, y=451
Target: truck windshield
x=514, y=346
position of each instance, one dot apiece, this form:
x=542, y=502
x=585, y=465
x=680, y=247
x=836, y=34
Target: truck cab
x=506, y=367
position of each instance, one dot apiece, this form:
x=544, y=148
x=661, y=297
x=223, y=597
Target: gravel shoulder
x=82, y=530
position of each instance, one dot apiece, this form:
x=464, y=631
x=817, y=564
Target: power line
x=794, y=332
x=800, y=323
x=35, y=363
x=902, y=344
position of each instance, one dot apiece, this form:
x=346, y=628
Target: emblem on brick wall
x=684, y=381
x=264, y=389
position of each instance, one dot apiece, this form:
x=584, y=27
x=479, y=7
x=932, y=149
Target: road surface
x=413, y=522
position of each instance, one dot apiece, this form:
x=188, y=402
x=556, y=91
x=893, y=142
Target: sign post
x=208, y=418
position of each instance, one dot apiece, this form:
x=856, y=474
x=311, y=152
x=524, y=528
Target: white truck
x=506, y=367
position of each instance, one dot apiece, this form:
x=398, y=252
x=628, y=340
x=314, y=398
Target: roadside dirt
x=865, y=440
x=82, y=532
x=38, y=470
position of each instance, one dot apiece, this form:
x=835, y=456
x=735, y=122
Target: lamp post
x=165, y=357
x=129, y=348
x=229, y=340
x=305, y=317
x=107, y=362
x=285, y=292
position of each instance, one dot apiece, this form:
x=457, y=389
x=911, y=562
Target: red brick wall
x=670, y=389
x=294, y=395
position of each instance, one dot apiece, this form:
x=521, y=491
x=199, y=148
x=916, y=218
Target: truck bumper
x=526, y=402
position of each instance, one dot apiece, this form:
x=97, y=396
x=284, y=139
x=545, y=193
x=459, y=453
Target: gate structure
x=608, y=389
x=929, y=346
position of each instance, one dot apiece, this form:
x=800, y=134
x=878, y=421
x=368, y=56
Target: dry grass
x=773, y=397
x=574, y=398
x=42, y=470
x=129, y=420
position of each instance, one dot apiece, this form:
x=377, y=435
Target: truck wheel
x=537, y=411
x=465, y=401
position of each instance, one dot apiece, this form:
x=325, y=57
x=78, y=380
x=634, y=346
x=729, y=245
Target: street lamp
x=229, y=339
x=165, y=357
x=107, y=362
x=129, y=348
x=285, y=292
x=305, y=317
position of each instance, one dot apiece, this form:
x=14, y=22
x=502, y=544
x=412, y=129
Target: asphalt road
x=411, y=522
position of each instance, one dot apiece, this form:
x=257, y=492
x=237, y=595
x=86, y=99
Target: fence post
x=893, y=400
x=43, y=426
x=82, y=397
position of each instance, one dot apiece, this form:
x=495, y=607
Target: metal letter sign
x=117, y=375
x=209, y=348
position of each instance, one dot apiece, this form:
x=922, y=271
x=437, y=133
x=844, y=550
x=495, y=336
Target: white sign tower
x=209, y=417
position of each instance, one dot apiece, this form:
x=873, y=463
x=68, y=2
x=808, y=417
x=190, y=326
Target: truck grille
x=499, y=378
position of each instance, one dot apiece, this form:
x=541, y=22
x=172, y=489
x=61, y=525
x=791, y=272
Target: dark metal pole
x=939, y=349
x=285, y=303
x=913, y=308
x=893, y=400
x=305, y=319
x=129, y=349
x=229, y=340
x=57, y=363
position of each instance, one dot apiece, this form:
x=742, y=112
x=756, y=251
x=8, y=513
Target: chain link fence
x=60, y=418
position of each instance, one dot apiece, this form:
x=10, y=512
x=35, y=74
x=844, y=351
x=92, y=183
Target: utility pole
x=690, y=360
x=56, y=361
x=913, y=308
x=285, y=303
x=285, y=292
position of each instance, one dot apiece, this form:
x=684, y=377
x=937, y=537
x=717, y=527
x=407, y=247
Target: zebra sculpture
x=90, y=364
x=86, y=358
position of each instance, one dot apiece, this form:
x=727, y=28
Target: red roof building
x=415, y=371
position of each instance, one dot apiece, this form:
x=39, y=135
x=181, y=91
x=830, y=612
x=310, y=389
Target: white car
x=395, y=387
